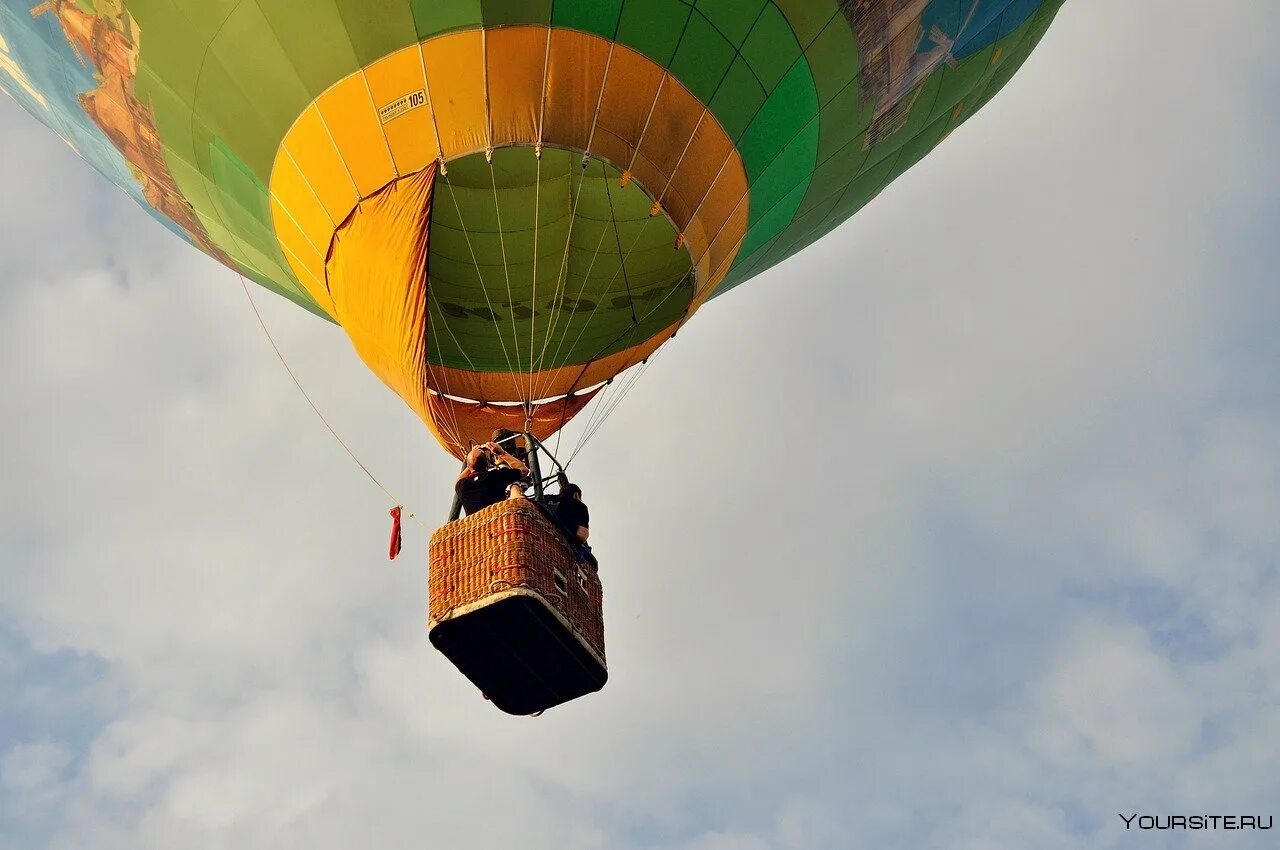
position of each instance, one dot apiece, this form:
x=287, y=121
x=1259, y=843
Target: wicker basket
x=514, y=609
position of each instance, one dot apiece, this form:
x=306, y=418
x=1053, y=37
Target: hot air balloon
x=506, y=203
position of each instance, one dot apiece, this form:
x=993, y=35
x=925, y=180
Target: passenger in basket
x=505, y=440
x=483, y=482
x=509, y=457
x=574, y=518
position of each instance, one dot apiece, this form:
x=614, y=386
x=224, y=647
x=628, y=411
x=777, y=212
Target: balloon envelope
x=507, y=201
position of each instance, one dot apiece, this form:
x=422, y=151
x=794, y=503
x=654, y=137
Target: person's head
x=573, y=491
x=505, y=438
x=478, y=458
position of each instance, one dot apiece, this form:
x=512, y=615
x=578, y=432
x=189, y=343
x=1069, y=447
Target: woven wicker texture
x=513, y=545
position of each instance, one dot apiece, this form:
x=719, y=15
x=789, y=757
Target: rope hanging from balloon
x=323, y=420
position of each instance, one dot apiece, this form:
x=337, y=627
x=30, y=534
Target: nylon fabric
x=466, y=423
x=377, y=280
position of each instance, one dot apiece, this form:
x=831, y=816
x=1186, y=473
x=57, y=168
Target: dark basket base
x=519, y=654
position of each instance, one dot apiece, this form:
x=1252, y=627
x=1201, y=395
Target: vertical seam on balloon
x=476, y=265
x=435, y=125
x=382, y=129
x=622, y=265
x=557, y=300
x=301, y=264
x=586, y=278
x=338, y=149
x=542, y=104
x=533, y=297
x=506, y=271
x=307, y=181
x=488, y=108
x=276, y=197
x=657, y=93
x=680, y=161
x=604, y=81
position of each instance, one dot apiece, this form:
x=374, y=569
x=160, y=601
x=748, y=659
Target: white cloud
x=33, y=768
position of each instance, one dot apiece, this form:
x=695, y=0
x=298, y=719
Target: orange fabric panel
x=702, y=163
x=675, y=117
x=398, y=86
x=348, y=113
x=456, y=90
x=515, y=58
x=575, y=77
x=629, y=90
x=548, y=383
x=377, y=275
x=465, y=423
x=726, y=196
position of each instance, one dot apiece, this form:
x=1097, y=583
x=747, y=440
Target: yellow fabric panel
x=515, y=57
x=348, y=113
x=377, y=275
x=290, y=188
x=575, y=76
x=465, y=423
x=398, y=86
x=310, y=146
x=307, y=263
x=456, y=80
x=629, y=90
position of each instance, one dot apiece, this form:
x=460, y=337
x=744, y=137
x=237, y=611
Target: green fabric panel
x=844, y=145
x=959, y=82
x=770, y=49
x=791, y=168
x=181, y=36
x=271, y=57
x=500, y=12
x=597, y=16
x=922, y=112
x=733, y=18
x=376, y=29
x=833, y=60
x=738, y=99
x=789, y=106
x=247, y=194
x=653, y=27
x=311, y=37
x=777, y=195
x=234, y=102
x=844, y=120
x=702, y=58
x=582, y=304
x=807, y=18
x=432, y=17
x=921, y=144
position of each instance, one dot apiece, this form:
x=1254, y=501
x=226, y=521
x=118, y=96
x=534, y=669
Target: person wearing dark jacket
x=573, y=517
x=490, y=476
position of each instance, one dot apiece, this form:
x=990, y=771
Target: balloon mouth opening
x=543, y=258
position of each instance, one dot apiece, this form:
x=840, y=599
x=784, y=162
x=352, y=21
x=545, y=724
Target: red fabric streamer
x=394, y=548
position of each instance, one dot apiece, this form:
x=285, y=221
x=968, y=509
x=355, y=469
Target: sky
x=959, y=530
